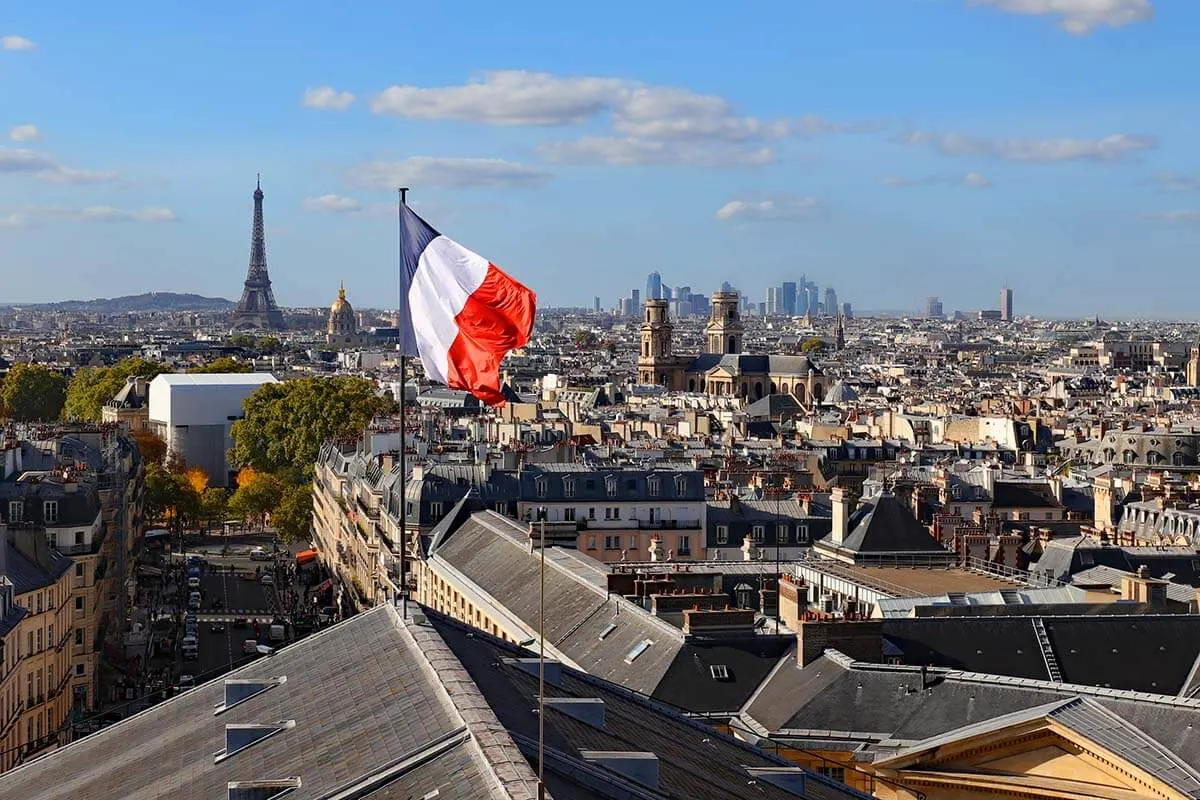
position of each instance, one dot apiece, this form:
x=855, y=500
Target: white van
x=277, y=633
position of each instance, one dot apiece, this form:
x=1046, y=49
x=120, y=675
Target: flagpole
x=542, y=656
x=403, y=416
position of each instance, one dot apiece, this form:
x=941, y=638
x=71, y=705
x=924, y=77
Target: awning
x=305, y=555
x=325, y=585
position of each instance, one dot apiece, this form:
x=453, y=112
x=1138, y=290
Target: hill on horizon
x=149, y=301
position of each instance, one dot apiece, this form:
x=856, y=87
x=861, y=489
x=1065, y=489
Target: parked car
x=194, y=600
x=216, y=627
x=267, y=579
x=187, y=682
x=260, y=554
x=194, y=583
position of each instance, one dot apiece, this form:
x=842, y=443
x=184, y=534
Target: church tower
x=724, y=330
x=839, y=334
x=1193, y=365
x=655, y=361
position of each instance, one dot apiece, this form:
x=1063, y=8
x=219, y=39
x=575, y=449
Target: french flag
x=460, y=313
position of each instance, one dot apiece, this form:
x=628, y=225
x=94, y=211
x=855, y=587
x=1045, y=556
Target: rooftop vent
x=637, y=650
x=239, y=737
x=532, y=667
x=239, y=690
x=719, y=672
x=639, y=767
x=262, y=790
x=790, y=779
x=588, y=710
x=604, y=633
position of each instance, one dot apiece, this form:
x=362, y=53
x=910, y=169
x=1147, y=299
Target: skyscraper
x=813, y=300
x=772, y=306
x=654, y=286
x=831, y=302
x=257, y=307
x=788, y=298
x=1006, y=298
x=933, y=308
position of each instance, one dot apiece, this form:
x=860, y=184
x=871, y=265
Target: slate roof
x=1023, y=494
x=355, y=713
x=695, y=762
x=772, y=407
x=26, y=575
x=833, y=693
x=883, y=525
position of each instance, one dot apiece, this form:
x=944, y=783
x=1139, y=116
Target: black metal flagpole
x=400, y=323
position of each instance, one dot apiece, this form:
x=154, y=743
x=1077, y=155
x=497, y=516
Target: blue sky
x=891, y=148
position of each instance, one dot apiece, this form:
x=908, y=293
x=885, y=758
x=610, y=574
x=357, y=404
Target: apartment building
x=37, y=634
x=620, y=514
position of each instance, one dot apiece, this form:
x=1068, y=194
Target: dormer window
x=50, y=512
x=568, y=487
x=653, y=486
x=540, y=486
x=16, y=511
x=610, y=485
x=681, y=485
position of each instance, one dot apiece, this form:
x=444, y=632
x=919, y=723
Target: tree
x=293, y=516
x=585, y=339
x=151, y=446
x=812, y=345
x=224, y=364
x=214, y=504
x=33, y=392
x=258, y=494
x=285, y=424
x=197, y=478
x=92, y=387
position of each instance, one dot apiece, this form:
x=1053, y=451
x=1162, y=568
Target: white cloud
x=1174, y=182
x=973, y=180
x=1079, y=16
x=25, y=133
x=780, y=208
x=16, y=43
x=1178, y=216
x=30, y=216
x=508, y=97
x=328, y=99
x=332, y=202
x=651, y=124
x=632, y=150
x=1108, y=148
x=43, y=167
x=448, y=173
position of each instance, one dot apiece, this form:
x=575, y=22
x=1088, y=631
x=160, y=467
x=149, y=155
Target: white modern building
x=194, y=413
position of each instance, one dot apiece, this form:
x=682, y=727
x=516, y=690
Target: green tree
x=286, y=423
x=151, y=447
x=92, y=387
x=222, y=365
x=33, y=392
x=214, y=505
x=292, y=518
x=270, y=345
x=258, y=494
x=813, y=345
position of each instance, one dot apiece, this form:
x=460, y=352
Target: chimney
x=841, y=515
x=418, y=472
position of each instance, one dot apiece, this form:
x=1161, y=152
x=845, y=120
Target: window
x=759, y=534
x=837, y=773
x=540, y=487
x=16, y=510
x=38, y=638
x=569, y=514
x=610, y=484
x=781, y=534
x=435, y=510
x=612, y=542
x=592, y=512
x=653, y=486
x=604, y=633
x=79, y=604
x=79, y=636
x=722, y=534
x=79, y=669
x=801, y=534
x=684, y=547
x=681, y=485
x=637, y=650
x=719, y=672
x=50, y=512
x=568, y=487
x=79, y=570
x=78, y=537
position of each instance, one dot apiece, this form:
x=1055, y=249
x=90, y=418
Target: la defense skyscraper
x=257, y=307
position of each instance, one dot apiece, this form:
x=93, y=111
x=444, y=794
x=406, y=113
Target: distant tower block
x=257, y=307
x=1006, y=303
x=724, y=330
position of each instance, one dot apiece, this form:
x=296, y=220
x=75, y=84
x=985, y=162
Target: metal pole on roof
x=542, y=657
x=403, y=428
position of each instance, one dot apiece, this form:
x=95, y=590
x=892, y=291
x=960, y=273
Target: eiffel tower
x=257, y=307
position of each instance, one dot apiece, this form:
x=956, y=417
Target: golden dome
x=341, y=305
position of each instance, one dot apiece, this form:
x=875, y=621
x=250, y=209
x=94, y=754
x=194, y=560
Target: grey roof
x=833, y=693
x=356, y=714
x=27, y=575
x=492, y=552
x=695, y=762
x=883, y=525
x=840, y=392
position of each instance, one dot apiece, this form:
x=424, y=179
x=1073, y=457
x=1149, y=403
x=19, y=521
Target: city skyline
x=1057, y=179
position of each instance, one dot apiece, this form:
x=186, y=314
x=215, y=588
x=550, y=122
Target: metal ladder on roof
x=1039, y=628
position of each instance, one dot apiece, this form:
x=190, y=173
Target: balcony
x=668, y=524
